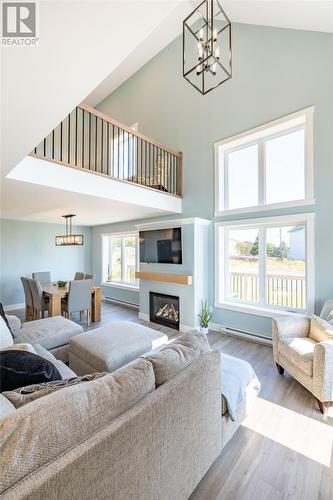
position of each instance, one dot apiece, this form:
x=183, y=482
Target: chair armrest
x=298, y=326
x=323, y=370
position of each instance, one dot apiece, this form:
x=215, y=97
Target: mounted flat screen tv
x=161, y=246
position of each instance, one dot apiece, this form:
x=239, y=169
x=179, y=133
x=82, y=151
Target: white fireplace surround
x=195, y=235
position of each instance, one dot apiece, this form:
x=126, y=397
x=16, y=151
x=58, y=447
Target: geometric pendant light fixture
x=207, y=53
x=69, y=238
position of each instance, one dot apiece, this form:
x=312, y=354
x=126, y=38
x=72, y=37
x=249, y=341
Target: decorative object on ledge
x=207, y=47
x=69, y=239
x=181, y=279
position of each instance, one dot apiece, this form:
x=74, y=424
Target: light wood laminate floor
x=283, y=450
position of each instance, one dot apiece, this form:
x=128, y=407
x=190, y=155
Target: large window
x=266, y=167
x=120, y=259
x=265, y=263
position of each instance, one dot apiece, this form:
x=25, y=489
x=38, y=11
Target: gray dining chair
x=78, y=299
x=40, y=304
x=42, y=277
x=89, y=276
x=78, y=276
x=29, y=305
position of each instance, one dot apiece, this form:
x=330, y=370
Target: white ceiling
x=313, y=15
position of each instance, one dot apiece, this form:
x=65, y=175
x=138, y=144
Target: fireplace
x=164, y=309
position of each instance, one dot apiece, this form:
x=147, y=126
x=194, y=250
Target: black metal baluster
x=82, y=138
x=69, y=139
x=108, y=152
x=60, y=141
x=89, y=142
x=133, y=161
x=123, y=148
x=76, y=136
x=112, y=166
x=96, y=144
x=53, y=144
x=102, y=147
x=118, y=139
x=44, y=147
x=128, y=156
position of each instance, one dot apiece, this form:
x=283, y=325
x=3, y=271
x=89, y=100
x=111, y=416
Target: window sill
x=264, y=208
x=122, y=286
x=259, y=311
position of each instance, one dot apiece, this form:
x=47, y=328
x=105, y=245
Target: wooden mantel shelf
x=181, y=279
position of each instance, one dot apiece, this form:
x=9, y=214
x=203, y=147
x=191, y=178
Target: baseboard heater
x=254, y=337
x=122, y=302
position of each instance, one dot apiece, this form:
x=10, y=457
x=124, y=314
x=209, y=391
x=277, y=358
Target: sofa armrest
x=14, y=323
x=323, y=371
x=297, y=326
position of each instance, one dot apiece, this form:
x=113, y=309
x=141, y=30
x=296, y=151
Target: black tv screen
x=161, y=246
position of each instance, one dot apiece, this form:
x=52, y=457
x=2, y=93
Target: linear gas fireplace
x=164, y=309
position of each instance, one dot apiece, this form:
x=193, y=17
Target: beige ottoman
x=112, y=346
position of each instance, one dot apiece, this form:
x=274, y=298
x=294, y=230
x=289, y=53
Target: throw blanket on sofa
x=238, y=379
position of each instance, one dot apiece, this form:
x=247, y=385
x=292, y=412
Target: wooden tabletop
x=54, y=289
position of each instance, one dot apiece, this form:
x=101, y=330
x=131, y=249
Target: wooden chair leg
x=80, y=315
x=279, y=369
x=88, y=317
x=69, y=315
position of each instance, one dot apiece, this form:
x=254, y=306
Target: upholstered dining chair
x=78, y=276
x=89, y=276
x=42, y=277
x=78, y=299
x=29, y=305
x=304, y=347
x=40, y=304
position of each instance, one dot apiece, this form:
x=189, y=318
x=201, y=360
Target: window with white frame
x=266, y=263
x=266, y=167
x=120, y=258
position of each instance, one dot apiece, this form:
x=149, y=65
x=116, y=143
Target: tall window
x=120, y=259
x=266, y=263
x=266, y=167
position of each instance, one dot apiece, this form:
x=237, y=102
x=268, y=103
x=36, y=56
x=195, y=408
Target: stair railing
x=91, y=140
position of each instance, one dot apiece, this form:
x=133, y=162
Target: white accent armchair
x=309, y=362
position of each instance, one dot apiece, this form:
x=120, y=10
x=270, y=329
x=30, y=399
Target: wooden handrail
x=127, y=129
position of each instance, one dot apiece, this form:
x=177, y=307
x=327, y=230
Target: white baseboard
x=14, y=307
x=252, y=337
x=182, y=328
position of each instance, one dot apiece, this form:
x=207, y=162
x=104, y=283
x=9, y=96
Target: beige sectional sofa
x=118, y=437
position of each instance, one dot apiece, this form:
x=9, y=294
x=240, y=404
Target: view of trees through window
x=275, y=278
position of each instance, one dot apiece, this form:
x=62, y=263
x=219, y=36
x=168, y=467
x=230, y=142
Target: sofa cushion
x=112, y=346
x=6, y=407
x=24, y=395
x=174, y=357
x=320, y=329
x=66, y=418
x=14, y=323
x=20, y=368
x=6, y=338
x=63, y=369
x=49, y=332
x=299, y=351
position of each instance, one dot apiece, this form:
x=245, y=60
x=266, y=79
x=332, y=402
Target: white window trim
x=282, y=126
x=221, y=252
x=119, y=284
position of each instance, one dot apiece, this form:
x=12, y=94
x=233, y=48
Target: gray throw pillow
x=24, y=395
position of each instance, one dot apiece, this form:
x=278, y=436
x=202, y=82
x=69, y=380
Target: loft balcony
x=95, y=155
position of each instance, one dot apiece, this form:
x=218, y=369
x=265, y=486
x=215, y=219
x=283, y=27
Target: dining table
x=55, y=293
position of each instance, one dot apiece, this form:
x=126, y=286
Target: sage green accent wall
x=30, y=246
x=275, y=72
